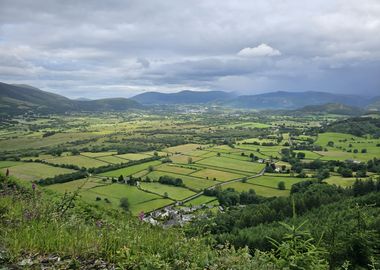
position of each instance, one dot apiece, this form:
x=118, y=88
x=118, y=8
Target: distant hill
x=374, y=104
x=293, y=100
x=332, y=108
x=18, y=99
x=183, y=97
x=358, y=126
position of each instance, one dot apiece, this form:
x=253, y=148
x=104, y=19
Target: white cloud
x=261, y=50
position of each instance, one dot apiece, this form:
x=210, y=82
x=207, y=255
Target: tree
x=189, y=160
x=124, y=203
x=281, y=185
x=121, y=178
x=330, y=143
x=150, y=168
x=301, y=155
x=218, y=154
x=364, y=151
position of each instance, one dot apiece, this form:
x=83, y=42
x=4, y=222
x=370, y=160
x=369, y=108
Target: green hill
x=18, y=99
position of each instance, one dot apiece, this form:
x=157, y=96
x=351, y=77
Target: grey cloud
x=118, y=48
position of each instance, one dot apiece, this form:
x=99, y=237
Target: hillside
x=18, y=99
x=358, y=126
x=374, y=104
x=293, y=100
x=332, y=108
x=183, y=97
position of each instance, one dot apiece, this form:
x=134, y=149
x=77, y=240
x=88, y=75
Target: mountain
x=374, y=104
x=18, y=99
x=293, y=100
x=183, y=97
x=332, y=108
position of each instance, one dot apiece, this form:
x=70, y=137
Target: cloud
x=261, y=50
x=98, y=49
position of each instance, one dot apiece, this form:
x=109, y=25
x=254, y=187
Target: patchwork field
x=131, y=169
x=217, y=175
x=190, y=181
x=260, y=190
x=175, y=193
x=233, y=164
x=272, y=181
x=80, y=161
x=35, y=171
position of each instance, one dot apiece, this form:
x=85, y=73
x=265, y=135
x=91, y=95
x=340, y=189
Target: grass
x=131, y=169
x=174, y=169
x=190, y=181
x=260, y=190
x=272, y=181
x=340, y=181
x=98, y=154
x=80, y=161
x=342, y=143
x=175, y=193
x=133, y=156
x=219, y=175
x=7, y=164
x=184, y=148
x=112, y=159
x=184, y=159
x=200, y=200
x=233, y=164
x=114, y=192
x=84, y=184
x=35, y=171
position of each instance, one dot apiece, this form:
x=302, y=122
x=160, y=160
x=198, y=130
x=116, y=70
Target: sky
x=98, y=49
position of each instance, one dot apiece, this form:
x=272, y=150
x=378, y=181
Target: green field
x=260, y=190
x=233, y=164
x=71, y=186
x=218, y=175
x=7, y=164
x=174, y=169
x=133, y=156
x=175, y=193
x=80, y=161
x=112, y=159
x=200, y=200
x=98, y=154
x=131, y=169
x=190, y=181
x=185, y=148
x=272, y=181
x=340, y=181
x=35, y=171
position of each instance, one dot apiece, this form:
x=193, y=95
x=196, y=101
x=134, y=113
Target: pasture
x=30, y=171
x=175, y=193
x=80, y=161
x=260, y=190
x=232, y=164
x=130, y=170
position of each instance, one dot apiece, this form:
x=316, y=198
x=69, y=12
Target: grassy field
x=98, y=154
x=260, y=190
x=183, y=149
x=310, y=154
x=233, y=164
x=80, y=161
x=190, y=181
x=83, y=184
x=200, y=200
x=175, y=193
x=174, y=169
x=272, y=181
x=133, y=156
x=7, y=164
x=218, y=175
x=115, y=192
x=340, y=181
x=184, y=159
x=131, y=169
x=112, y=159
x=343, y=143
x=35, y=171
